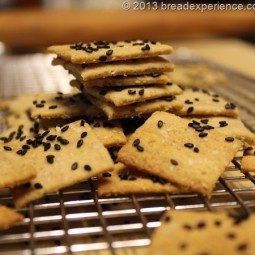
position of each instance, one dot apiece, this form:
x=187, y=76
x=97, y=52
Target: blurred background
x=32, y=25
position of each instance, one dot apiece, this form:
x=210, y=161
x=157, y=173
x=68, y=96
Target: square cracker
x=64, y=106
x=205, y=103
x=162, y=151
x=190, y=232
x=138, y=80
x=154, y=65
x=228, y=127
x=14, y=170
x=128, y=95
x=138, y=109
x=120, y=51
x=125, y=181
x=8, y=217
x=68, y=155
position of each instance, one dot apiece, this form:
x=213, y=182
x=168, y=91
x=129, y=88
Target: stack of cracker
x=123, y=79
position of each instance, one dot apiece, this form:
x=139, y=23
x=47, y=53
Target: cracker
x=125, y=181
x=138, y=80
x=169, y=104
x=190, y=232
x=108, y=51
x=64, y=106
x=154, y=66
x=168, y=147
x=14, y=170
x=197, y=75
x=227, y=126
x=128, y=95
x=73, y=156
x=205, y=103
x=8, y=217
x=248, y=160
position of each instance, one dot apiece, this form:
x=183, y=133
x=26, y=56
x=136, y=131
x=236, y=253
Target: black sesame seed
x=106, y=174
x=79, y=143
x=198, y=128
x=84, y=134
x=64, y=129
x=51, y=138
x=183, y=246
x=87, y=167
x=82, y=123
x=57, y=147
x=229, y=139
x=169, y=98
x=136, y=142
x=190, y=109
x=223, y=123
x=109, y=52
x=205, y=121
x=187, y=227
x=160, y=124
x=39, y=105
x=188, y=102
x=131, y=92
x=74, y=166
x=208, y=127
x=53, y=107
x=201, y=225
x=38, y=185
x=26, y=147
x=174, y=162
x=141, y=92
x=155, y=75
x=189, y=145
x=140, y=148
x=196, y=150
x=7, y=148
x=103, y=58
x=242, y=247
x=203, y=134
x=217, y=223
x=215, y=100
x=62, y=140
x=167, y=219
x=97, y=125
x=50, y=159
x=146, y=47
x=231, y=235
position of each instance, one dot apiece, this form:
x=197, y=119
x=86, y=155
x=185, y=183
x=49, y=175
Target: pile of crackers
x=127, y=124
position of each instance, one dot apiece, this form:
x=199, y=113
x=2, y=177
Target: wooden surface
x=38, y=27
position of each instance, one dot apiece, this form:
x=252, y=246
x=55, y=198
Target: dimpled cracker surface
x=126, y=96
x=67, y=156
x=147, y=79
x=124, y=181
x=205, y=103
x=14, y=168
x=228, y=126
x=166, y=146
x=8, y=217
x=212, y=233
x=152, y=66
x=64, y=106
x=138, y=109
x=102, y=51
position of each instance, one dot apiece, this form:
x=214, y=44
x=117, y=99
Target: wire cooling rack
x=76, y=220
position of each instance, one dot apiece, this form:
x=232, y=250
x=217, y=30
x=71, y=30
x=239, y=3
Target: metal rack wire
x=77, y=221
